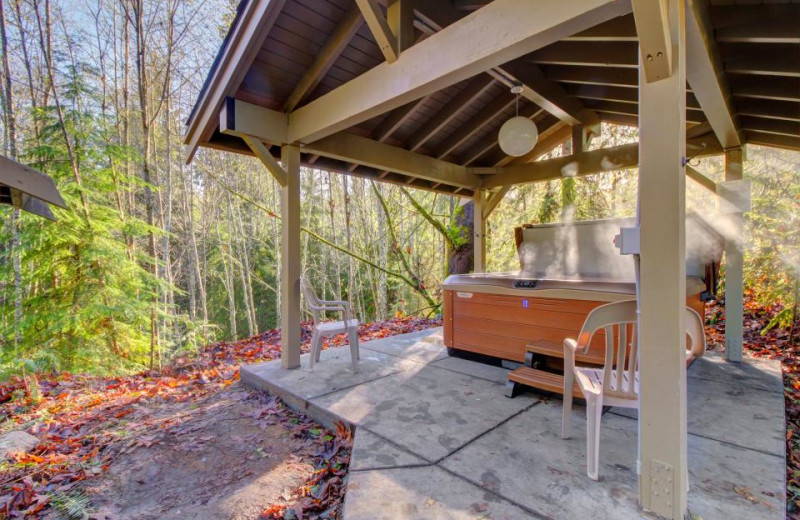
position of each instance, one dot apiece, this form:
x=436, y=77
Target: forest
x=155, y=258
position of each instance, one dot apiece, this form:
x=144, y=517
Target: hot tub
x=566, y=271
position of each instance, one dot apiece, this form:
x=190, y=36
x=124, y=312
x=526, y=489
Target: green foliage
x=74, y=505
x=772, y=230
x=87, y=300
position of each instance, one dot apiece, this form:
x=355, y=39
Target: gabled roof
x=284, y=54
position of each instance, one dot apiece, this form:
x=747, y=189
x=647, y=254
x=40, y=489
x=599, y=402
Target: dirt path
x=227, y=457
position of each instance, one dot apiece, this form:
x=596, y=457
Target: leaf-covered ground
x=95, y=432
x=107, y=442
x=774, y=344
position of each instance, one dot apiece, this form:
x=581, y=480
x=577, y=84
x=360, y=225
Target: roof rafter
x=376, y=20
x=461, y=50
x=474, y=125
x=474, y=89
x=330, y=52
x=704, y=75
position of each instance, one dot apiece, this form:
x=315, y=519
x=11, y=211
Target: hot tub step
x=556, y=350
x=537, y=379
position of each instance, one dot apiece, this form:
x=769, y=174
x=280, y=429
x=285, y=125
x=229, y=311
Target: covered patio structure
x=414, y=92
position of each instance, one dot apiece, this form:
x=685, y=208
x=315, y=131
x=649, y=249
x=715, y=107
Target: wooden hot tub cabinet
x=503, y=325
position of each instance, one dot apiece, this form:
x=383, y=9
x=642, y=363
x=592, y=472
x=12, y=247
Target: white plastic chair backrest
x=695, y=333
x=312, y=301
x=621, y=359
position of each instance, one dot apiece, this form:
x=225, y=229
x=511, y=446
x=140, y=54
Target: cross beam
x=460, y=51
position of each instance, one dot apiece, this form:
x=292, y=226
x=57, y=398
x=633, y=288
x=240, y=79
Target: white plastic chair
x=323, y=329
x=617, y=383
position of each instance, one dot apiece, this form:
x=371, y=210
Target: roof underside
x=758, y=45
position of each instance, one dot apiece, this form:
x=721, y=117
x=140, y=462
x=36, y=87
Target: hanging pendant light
x=519, y=134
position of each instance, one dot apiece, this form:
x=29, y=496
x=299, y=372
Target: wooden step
x=556, y=350
x=543, y=380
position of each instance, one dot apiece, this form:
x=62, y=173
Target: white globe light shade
x=518, y=136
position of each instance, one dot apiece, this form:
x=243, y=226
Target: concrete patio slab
x=333, y=372
x=757, y=373
x=422, y=346
x=758, y=418
x=491, y=373
x=431, y=411
x=526, y=459
x=428, y=493
x=435, y=438
x=373, y=452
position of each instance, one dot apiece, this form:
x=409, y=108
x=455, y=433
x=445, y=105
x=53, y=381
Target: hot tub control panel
x=525, y=284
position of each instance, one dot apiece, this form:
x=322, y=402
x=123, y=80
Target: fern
x=73, y=505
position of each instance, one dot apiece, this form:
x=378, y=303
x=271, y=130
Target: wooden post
x=290, y=258
x=578, y=139
x=662, y=400
x=479, y=233
x=734, y=249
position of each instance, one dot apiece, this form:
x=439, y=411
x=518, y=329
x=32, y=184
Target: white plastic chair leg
x=315, y=347
x=594, y=412
x=320, y=339
x=567, y=403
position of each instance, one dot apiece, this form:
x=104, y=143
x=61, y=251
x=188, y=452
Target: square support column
x=290, y=259
x=479, y=233
x=734, y=266
x=662, y=342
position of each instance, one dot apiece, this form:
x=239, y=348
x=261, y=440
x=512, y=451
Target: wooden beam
x=396, y=119
x=619, y=94
x=655, y=43
x=546, y=93
x=769, y=109
x=577, y=165
x=474, y=125
x=240, y=118
x=290, y=259
x=535, y=87
x=493, y=200
x=620, y=29
x=361, y=150
x=701, y=179
x=776, y=141
x=500, y=32
x=597, y=54
x=770, y=23
x=771, y=126
x=469, y=5
x=615, y=107
x=663, y=460
x=704, y=74
x=244, y=43
x=777, y=88
x=734, y=266
x=479, y=232
x=400, y=19
x=593, y=75
x=376, y=21
x=474, y=89
x=773, y=60
x=330, y=52
x=266, y=158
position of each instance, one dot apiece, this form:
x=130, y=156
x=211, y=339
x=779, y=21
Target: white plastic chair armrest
x=570, y=347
